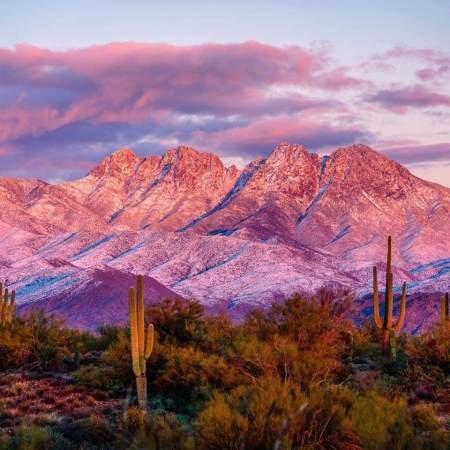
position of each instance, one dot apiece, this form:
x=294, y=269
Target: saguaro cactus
x=141, y=341
x=6, y=305
x=387, y=324
x=445, y=310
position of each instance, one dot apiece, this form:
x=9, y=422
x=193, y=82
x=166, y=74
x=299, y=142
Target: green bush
x=178, y=321
x=30, y=438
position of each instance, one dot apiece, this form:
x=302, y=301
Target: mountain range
x=231, y=238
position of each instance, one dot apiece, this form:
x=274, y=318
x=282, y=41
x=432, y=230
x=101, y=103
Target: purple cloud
x=417, y=96
x=61, y=111
x=412, y=154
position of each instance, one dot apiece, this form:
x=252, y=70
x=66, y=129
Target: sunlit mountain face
x=232, y=238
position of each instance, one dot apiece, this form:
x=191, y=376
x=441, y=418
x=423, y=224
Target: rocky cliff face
x=164, y=192
x=292, y=221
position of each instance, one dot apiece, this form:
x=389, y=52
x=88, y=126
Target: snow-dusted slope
x=233, y=239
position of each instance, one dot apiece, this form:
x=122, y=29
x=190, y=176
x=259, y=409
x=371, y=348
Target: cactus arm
x=389, y=302
x=401, y=318
x=149, y=341
x=4, y=306
x=140, y=323
x=1, y=304
x=447, y=307
x=376, y=302
x=10, y=310
x=444, y=307
x=389, y=257
x=134, y=333
x=389, y=294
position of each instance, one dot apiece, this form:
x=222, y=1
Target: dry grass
x=47, y=400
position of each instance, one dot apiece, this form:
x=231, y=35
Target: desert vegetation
x=297, y=375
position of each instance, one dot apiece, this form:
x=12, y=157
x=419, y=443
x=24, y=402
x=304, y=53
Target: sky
x=79, y=80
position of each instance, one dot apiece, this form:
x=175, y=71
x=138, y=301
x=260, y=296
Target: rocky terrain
x=231, y=238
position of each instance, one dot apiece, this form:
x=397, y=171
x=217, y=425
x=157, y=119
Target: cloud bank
x=61, y=111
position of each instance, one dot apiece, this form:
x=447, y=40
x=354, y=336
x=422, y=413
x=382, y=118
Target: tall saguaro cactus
x=445, y=310
x=141, y=341
x=388, y=325
x=6, y=305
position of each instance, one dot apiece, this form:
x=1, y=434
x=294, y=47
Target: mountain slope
x=88, y=298
x=231, y=238
x=164, y=192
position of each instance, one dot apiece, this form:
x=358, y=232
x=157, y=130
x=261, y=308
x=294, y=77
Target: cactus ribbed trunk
x=387, y=325
x=6, y=305
x=141, y=341
x=445, y=308
x=393, y=347
x=386, y=343
x=141, y=388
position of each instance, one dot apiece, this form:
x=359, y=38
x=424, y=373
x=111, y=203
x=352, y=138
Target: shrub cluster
x=298, y=375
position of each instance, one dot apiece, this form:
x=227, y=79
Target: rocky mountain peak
x=287, y=150
x=289, y=169
x=360, y=165
x=184, y=156
x=192, y=168
x=121, y=162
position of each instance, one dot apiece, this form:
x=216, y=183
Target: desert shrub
x=15, y=344
x=188, y=375
x=107, y=336
x=300, y=338
x=382, y=422
x=432, y=350
x=95, y=377
x=273, y=414
x=428, y=431
x=118, y=357
x=166, y=432
x=178, y=321
x=113, y=370
x=36, y=340
x=48, y=341
x=156, y=432
x=91, y=432
x=220, y=335
x=366, y=341
x=28, y=438
x=277, y=357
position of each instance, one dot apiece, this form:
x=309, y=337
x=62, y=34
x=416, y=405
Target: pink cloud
x=239, y=99
x=420, y=153
x=398, y=100
x=339, y=78
x=428, y=74
x=437, y=62
x=129, y=81
x=259, y=137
